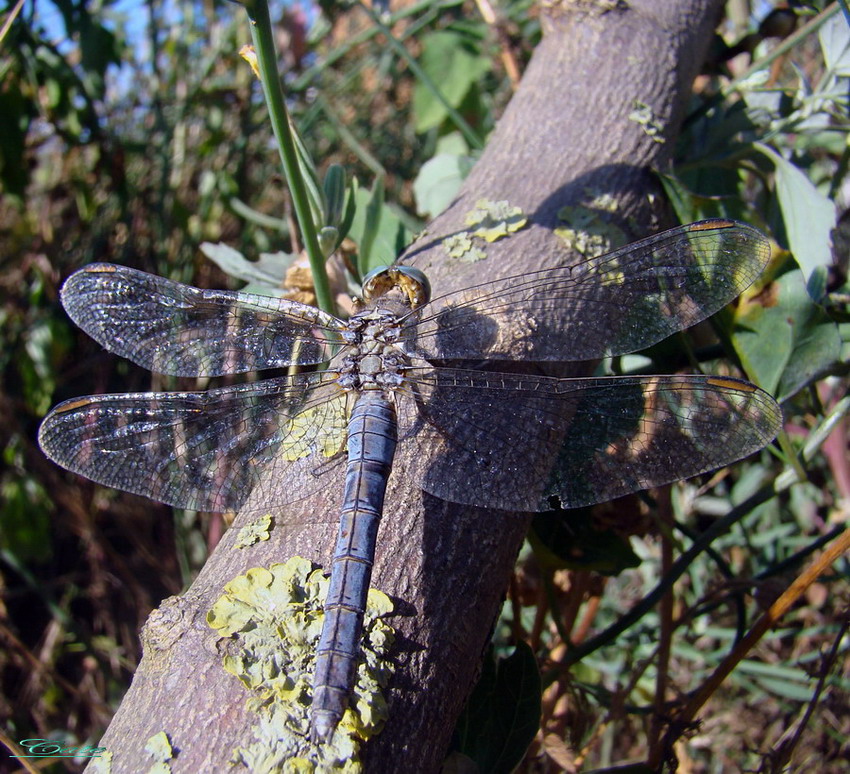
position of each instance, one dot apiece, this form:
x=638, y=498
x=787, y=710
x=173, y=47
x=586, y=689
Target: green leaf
x=438, y=182
x=834, y=38
x=377, y=229
x=269, y=271
x=451, y=62
x=690, y=206
x=452, y=143
x=371, y=224
x=334, y=187
x=503, y=713
x=808, y=215
x=785, y=341
x=315, y=192
x=786, y=689
x=350, y=208
x=328, y=239
x=679, y=197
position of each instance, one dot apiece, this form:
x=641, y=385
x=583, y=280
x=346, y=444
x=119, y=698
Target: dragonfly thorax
x=373, y=360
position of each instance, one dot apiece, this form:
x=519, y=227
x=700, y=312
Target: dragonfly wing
x=613, y=304
x=206, y=450
x=512, y=442
x=176, y=329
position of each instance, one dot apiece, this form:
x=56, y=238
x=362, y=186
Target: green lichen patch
x=587, y=231
x=463, y=248
x=644, y=115
x=494, y=220
x=273, y=617
x=489, y=221
x=102, y=764
x=159, y=748
x=319, y=428
x=254, y=532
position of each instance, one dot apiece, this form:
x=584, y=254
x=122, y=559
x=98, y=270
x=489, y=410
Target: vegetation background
x=132, y=132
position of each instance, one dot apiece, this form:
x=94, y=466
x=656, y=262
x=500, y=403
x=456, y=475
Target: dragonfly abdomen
x=372, y=435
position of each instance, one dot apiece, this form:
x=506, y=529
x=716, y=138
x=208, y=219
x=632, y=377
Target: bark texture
x=565, y=139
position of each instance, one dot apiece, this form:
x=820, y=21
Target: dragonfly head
x=412, y=283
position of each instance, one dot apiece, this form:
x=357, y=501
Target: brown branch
x=565, y=139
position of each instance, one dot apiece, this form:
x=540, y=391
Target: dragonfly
x=414, y=382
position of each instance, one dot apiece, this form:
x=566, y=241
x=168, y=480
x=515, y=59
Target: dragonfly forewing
x=613, y=304
x=208, y=450
x=172, y=328
x=513, y=442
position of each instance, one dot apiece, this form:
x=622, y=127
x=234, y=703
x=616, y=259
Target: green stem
x=261, y=32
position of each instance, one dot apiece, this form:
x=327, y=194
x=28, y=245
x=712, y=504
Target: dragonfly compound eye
x=411, y=282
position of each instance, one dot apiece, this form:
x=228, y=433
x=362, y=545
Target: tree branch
x=566, y=139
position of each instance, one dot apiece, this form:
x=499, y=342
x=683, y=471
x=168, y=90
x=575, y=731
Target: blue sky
x=133, y=16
